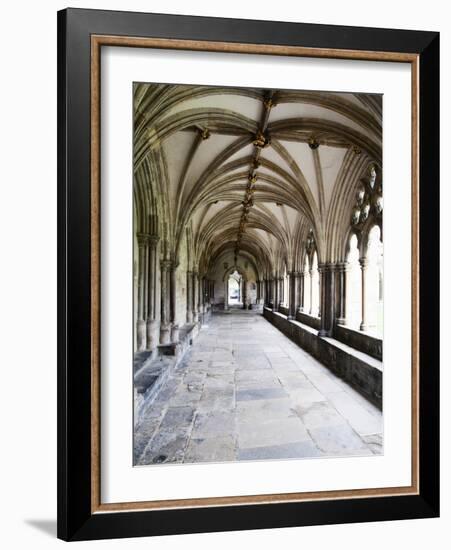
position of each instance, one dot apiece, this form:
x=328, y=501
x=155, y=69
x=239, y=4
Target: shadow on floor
x=46, y=526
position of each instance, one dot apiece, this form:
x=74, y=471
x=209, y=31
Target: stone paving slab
x=213, y=424
x=165, y=447
x=338, y=440
x=260, y=393
x=271, y=432
x=358, y=417
x=264, y=409
x=217, y=449
x=300, y=449
x=375, y=443
x=246, y=392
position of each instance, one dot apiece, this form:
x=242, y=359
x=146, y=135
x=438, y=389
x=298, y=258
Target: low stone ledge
x=361, y=371
x=156, y=366
x=309, y=320
x=362, y=341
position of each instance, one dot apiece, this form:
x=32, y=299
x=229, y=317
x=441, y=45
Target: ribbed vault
x=250, y=172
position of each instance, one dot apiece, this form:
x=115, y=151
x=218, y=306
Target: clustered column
x=364, y=269
x=275, y=293
x=195, y=296
x=151, y=326
x=292, y=295
x=142, y=262
x=327, y=298
x=172, y=301
x=189, y=297
x=165, y=327
x=281, y=292
x=244, y=283
x=342, y=269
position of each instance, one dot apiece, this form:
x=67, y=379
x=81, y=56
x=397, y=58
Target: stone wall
x=360, y=370
x=359, y=340
x=310, y=320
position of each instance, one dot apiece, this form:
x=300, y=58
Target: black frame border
x=75, y=520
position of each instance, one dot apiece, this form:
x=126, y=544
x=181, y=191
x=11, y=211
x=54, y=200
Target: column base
x=165, y=334
x=141, y=335
x=152, y=334
x=342, y=321
x=175, y=334
x=364, y=327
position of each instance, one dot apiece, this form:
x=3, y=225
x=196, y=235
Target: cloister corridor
x=245, y=391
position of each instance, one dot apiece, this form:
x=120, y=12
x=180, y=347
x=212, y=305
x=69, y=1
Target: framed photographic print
x=248, y=274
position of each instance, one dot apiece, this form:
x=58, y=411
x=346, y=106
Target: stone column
x=226, y=294
x=189, y=297
x=173, y=302
x=281, y=289
x=364, y=269
x=292, y=295
x=195, y=296
x=302, y=291
x=244, y=297
x=275, y=294
x=342, y=269
x=151, y=326
x=311, y=291
x=297, y=296
x=142, y=261
x=262, y=292
x=165, y=327
x=327, y=297
x=200, y=299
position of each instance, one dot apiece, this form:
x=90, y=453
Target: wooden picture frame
x=81, y=35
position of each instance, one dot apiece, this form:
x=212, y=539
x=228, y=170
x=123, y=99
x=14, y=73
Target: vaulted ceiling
x=252, y=170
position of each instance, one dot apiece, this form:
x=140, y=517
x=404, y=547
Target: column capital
x=343, y=266
x=166, y=264
x=143, y=239
x=327, y=266
x=363, y=262
x=153, y=240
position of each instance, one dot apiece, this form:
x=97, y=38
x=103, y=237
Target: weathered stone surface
x=217, y=449
x=375, y=443
x=143, y=435
x=300, y=449
x=165, y=447
x=360, y=419
x=182, y=417
x=271, y=432
x=358, y=369
x=213, y=424
x=338, y=440
x=319, y=414
x=256, y=393
x=258, y=397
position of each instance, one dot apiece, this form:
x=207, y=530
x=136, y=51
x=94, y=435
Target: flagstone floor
x=246, y=392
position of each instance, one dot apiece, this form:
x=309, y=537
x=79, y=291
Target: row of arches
x=247, y=181
x=360, y=305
